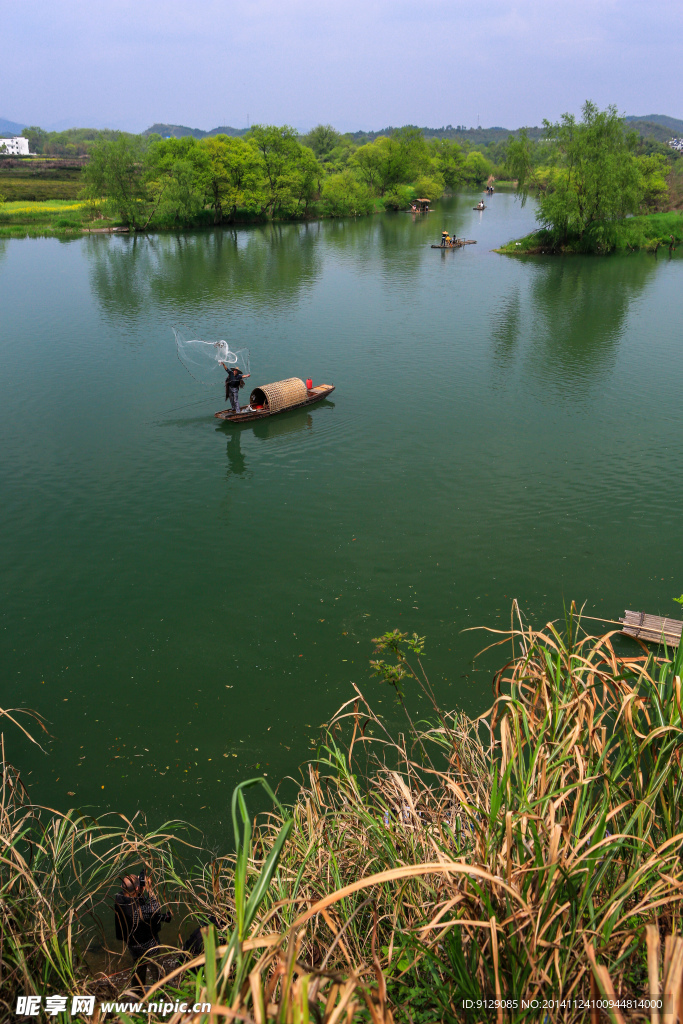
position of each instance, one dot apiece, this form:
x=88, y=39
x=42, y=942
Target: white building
x=18, y=146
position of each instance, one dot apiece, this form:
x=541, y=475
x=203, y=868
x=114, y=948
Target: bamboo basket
x=283, y=394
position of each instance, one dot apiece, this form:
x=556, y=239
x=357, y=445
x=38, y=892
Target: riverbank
x=68, y=219
x=419, y=867
x=63, y=218
x=55, y=218
x=646, y=233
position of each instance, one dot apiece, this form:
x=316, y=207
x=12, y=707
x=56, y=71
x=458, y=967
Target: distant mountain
x=8, y=128
x=673, y=123
x=179, y=131
x=656, y=126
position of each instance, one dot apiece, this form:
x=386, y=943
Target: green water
x=500, y=428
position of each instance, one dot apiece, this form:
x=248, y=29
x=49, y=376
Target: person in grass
x=138, y=918
x=233, y=383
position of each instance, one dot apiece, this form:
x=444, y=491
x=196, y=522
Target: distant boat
x=269, y=399
x=479, y=206
x=457, y=243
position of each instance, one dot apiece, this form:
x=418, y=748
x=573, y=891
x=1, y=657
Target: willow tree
x=598, y=179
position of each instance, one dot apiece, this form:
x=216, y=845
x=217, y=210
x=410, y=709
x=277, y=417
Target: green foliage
x=36, y=138
x=392, y=160
x=172, y=179
x=476, y=169
x=398, y=197
x=344, y=196
x=232, y=176
x=430, y=186
x=599, y=178
x=73, y=142
x=518, y=162
x=447, y=159
x=653, y=171
x=288, y=168
x=647, y=232
x=323, y=140
x=116, y=172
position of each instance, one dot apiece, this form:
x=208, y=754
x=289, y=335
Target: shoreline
x=644, y=233
x=62, y=218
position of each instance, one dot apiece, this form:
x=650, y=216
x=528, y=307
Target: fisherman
x=233, y=383
x=138, y=918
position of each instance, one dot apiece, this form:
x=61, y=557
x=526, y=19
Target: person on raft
x=233, y=383
x=445, y=238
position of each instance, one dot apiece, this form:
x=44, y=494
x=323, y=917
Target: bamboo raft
x=653, y=629
x=457, y=244
x=269, y=399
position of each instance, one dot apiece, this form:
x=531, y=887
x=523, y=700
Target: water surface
x=500, y=428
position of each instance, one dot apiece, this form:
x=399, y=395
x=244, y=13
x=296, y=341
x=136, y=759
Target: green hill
x=656, y=126
x=179, y=131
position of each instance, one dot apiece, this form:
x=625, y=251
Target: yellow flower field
x=53, y=206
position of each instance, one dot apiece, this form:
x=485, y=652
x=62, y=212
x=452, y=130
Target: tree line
x=584, y=172
x=272, y=172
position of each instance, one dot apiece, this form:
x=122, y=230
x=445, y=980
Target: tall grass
x=531, y=854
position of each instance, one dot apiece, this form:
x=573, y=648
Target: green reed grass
x=532, y=853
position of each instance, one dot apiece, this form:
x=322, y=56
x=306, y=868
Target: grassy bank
x=648, y=233
x=55, y=218
x=533, y=854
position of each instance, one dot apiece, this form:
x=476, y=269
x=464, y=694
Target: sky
x=357, y=64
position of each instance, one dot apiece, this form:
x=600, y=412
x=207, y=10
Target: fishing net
x=202, y=359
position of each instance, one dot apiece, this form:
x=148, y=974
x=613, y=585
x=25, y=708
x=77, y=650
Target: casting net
x=202, y=359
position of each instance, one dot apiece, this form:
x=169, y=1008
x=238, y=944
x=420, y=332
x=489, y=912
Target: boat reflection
x=283, y=424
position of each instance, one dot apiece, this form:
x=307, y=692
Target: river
x=185, y=601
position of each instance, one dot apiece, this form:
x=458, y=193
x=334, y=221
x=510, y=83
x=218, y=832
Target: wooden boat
x=479, y=206
x=269, y=399
x=457, y=244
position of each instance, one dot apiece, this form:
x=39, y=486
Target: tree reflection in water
x=580, y=307
x=194, y=273
x=506, y=322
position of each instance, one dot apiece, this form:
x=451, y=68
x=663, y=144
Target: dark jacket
x=138, y=922
x=232, y=382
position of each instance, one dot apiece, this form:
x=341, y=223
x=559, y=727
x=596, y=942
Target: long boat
x=269, y=399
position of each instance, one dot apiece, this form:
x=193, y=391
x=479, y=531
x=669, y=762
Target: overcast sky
x=356, y=64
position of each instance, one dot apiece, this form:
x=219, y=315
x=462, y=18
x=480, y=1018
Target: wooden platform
x=652, y=628
x=457, y=243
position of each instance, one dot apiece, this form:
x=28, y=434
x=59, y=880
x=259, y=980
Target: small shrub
x=344, y=196
x=399, y=198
